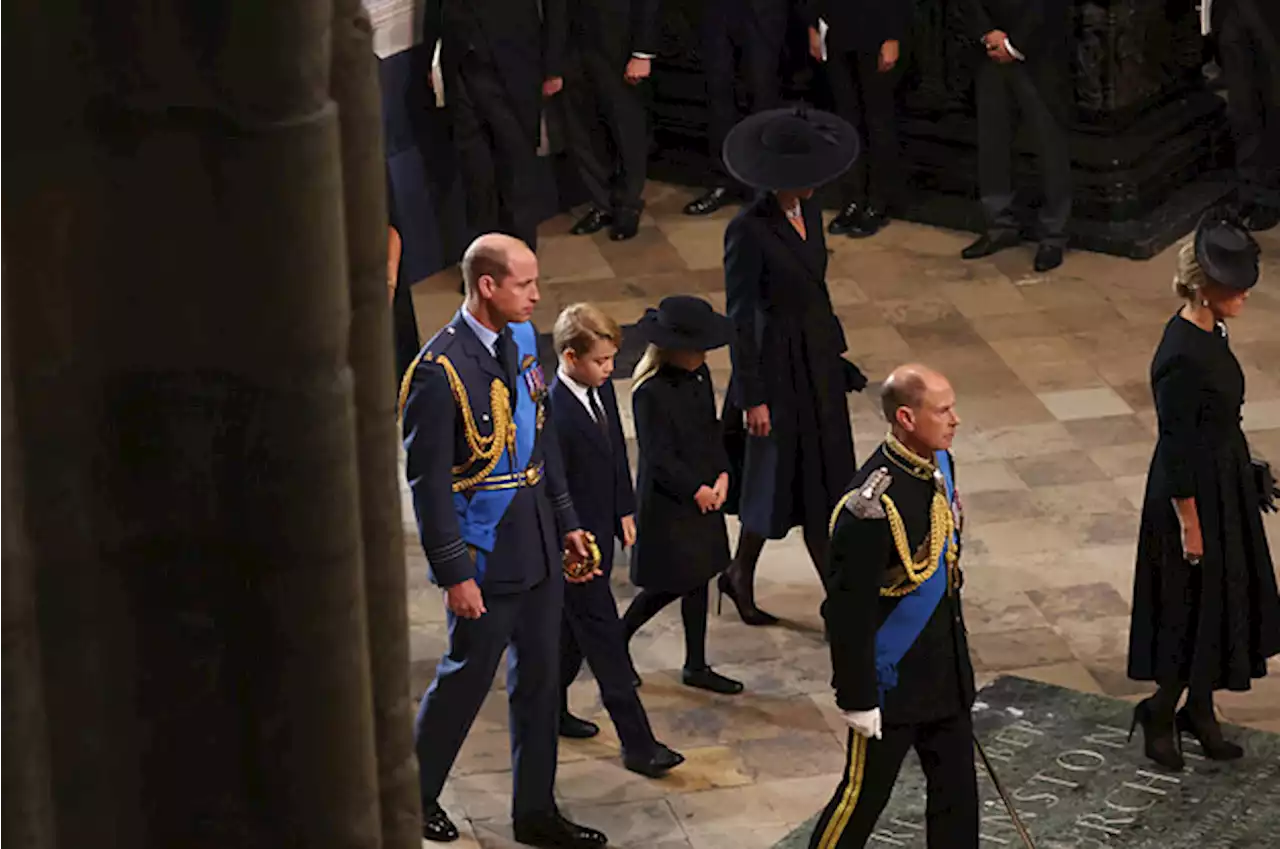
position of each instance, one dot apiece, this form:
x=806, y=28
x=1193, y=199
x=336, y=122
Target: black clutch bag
x=1265, y=481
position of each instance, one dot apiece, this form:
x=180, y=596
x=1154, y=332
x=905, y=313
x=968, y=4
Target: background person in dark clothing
x=498, y=58
x=1206, y=615
x=1025, y=71
x=899, y=657
x=611, y=45
x=745, y=35
x=861, y=55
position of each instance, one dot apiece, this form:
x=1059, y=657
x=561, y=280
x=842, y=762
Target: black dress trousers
x=606, y=129
x=864, y=96
x=1252, y=74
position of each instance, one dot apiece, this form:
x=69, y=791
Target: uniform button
x=449, y=330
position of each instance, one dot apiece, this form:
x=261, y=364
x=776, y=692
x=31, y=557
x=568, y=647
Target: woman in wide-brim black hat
x=682, y=477
x=786, y=416
x=1206, y=614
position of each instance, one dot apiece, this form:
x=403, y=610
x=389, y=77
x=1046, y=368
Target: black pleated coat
x=1213, y=625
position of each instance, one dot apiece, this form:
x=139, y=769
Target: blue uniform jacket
x=596, y=469
x=530, y=534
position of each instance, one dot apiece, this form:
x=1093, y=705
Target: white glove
x=864, y=722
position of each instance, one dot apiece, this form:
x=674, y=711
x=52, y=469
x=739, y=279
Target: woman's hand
x=721, y=489
x=628, y=531
x=1192, y=544
x=758, y=420
x=706, y=498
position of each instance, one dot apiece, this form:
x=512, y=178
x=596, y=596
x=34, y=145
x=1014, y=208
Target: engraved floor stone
x=1075, y=781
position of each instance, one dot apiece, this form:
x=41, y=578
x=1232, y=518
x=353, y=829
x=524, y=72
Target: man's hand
x=815, y=43
x=888, y=56
x=864, y=722
x=994, y=43
x=637, y=69
x=706, y=498
x=758, y=420
x=465, y=599
x=628, y=531
x=575, y=542
x=551, y=86
x=721, y=489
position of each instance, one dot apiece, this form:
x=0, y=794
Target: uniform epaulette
x=865, y=501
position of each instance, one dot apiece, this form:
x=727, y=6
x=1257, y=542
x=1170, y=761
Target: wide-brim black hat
x=684, y=323
x=1226, y=251
x=790, y=148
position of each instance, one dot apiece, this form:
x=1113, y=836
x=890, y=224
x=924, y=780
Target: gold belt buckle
x=532, y=475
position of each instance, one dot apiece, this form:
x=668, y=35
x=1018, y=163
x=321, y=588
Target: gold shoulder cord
x=484, y=449
x=941, y=526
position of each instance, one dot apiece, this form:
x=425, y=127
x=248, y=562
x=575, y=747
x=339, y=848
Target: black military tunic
x=928, y=707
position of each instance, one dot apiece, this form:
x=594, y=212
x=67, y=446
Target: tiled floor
x=1051, y=373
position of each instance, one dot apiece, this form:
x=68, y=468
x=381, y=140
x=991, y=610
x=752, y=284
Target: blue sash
x=479, y=511
x=902, y=627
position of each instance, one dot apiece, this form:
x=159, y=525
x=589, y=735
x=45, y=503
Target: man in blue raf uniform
x=489, y=493
x=899, y=657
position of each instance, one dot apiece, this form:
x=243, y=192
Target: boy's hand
x=706, y=498
x=628, y=531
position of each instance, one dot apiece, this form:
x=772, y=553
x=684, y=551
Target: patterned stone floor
x=1057, y=434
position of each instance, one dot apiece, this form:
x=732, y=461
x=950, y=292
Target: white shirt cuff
x=1013, y=51
x=642, y=56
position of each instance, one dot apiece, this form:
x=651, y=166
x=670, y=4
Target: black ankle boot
x=1159, y=739
x=743, y=597
x=1208, y=732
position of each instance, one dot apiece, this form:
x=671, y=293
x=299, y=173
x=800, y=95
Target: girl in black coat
x=682, y=478
x=1206, y=615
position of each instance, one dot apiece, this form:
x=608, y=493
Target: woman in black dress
x=682, y=478
x=1206, y=615
x=789, y=378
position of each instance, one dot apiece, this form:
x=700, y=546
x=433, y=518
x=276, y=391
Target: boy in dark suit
x=584, y=409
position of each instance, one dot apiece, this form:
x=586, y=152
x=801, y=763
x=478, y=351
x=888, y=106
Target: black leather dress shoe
x=708, y=679
x=436, y=825
x=871, y=222
x=577, y=729
x=990, y=243
x=553, y=831
x=707, y=203
x=1048, y=257
x=846, y=220
x=625, y=226
x=657, y=765
x=593, y=222
x=1258, y=218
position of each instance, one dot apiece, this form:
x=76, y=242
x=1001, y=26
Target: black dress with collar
x=1212, y=625
x=786, y=352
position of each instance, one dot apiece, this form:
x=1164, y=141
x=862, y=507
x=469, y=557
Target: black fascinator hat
x=790, y=148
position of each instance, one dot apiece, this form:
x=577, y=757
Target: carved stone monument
x=1077, y=783
x=1145, y=135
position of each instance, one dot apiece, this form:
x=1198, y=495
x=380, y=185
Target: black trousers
x=945, y=748
x=1252, y=77
x=730, y=31
x=497, y=152
x=865, y=98
x=693, y=612
x=593, y=630
x=1002, y=91
x=529, y=623
x=606, y=130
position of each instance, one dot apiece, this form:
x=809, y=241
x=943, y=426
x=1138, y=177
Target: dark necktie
x=504, y=352
x=597, y=412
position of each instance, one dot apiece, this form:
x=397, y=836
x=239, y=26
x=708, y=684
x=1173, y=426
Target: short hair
x=579, y=327
x=908, y=390
x=484, y=257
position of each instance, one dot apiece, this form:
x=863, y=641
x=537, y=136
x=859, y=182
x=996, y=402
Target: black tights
x=750, y=544
x=693, y=610
x=1199, y=700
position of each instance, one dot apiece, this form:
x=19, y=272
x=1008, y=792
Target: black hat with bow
x=1226, y=251
x=684, y=323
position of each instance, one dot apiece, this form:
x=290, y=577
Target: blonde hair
x=580, y=326
x=1189, y=279
x=653, y=359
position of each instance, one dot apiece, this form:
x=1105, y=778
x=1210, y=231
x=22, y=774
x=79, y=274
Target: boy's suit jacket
x=598, y=475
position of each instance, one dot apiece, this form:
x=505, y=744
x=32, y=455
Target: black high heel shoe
x=751, y=615
x=1159, y=740
x=1209, y=735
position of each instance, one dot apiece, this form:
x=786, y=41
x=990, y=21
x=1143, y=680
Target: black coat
x=528, y=544
x=678, y=548
x=786, y=354
x=861, y=25
x=595, y=468
x=935, y=676
x=523, y=44
x=615, y=28
x=1212, y=625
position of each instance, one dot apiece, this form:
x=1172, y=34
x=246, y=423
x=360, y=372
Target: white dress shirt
x=488, y=338
x=579, y=391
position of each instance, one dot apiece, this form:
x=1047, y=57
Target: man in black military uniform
x=900, y=660
x=1249, y=46
x=498, y=59
x=492, y=507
